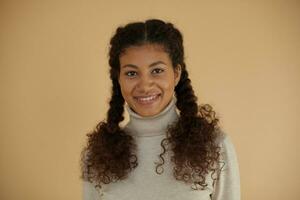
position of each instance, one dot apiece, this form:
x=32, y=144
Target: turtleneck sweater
x=143, y=183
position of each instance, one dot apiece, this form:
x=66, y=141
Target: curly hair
x=110, y=153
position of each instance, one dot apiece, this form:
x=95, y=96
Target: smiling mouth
x=147, y=99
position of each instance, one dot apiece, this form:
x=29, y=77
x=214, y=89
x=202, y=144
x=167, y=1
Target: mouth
x=145, y=100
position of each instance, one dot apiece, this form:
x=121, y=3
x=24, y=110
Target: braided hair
x=110, y=153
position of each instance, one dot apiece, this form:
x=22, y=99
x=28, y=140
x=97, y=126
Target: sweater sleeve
x=89, y=191
x=227, y=187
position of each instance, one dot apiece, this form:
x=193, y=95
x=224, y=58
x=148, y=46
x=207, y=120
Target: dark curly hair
x=110, y=153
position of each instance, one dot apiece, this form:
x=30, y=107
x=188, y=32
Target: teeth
x=147, y=99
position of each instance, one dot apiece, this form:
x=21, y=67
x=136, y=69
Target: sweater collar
x=154, y=125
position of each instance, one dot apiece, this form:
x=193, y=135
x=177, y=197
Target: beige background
x=243, y=57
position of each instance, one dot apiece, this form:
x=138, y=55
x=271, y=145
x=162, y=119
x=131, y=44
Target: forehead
x=144, y=54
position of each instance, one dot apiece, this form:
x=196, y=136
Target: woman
x=171, y=148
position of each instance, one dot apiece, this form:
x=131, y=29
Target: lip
x=148, y=99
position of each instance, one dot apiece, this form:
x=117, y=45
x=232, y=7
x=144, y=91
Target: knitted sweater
x=143, y=183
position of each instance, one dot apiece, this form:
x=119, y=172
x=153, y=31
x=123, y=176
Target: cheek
x=167, y=84
x=126, y=87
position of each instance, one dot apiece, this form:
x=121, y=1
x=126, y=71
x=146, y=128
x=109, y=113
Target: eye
x=157, y=71
x=130, y=73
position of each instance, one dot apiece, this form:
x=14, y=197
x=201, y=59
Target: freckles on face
x=147, y=79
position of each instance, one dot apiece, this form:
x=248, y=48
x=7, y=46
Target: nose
x=145, y=84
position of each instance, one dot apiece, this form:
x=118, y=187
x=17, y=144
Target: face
x=147, y=78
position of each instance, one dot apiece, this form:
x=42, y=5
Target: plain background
x=243, y=58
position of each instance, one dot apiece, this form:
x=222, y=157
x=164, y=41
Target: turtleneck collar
x=154, y=125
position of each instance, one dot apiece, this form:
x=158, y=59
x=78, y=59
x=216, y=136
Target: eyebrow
x=151, y=65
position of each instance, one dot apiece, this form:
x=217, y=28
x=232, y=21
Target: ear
x=177, y=72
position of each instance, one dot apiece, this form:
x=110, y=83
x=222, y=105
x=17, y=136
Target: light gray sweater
x=144, y=183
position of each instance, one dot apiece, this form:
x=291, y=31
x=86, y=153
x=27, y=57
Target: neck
x=154, y=125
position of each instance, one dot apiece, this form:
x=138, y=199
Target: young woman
x=171, y=148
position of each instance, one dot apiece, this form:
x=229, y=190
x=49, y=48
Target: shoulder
x=227, y=148
x=84, y=160
x=223, y=139
x=228, y=152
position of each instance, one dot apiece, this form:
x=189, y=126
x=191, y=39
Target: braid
x=109, y=153
x=187, y=101
x=192, y=137
x=116, y=109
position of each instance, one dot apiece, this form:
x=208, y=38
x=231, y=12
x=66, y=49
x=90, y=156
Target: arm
x=89, y=191
x=227, y=187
